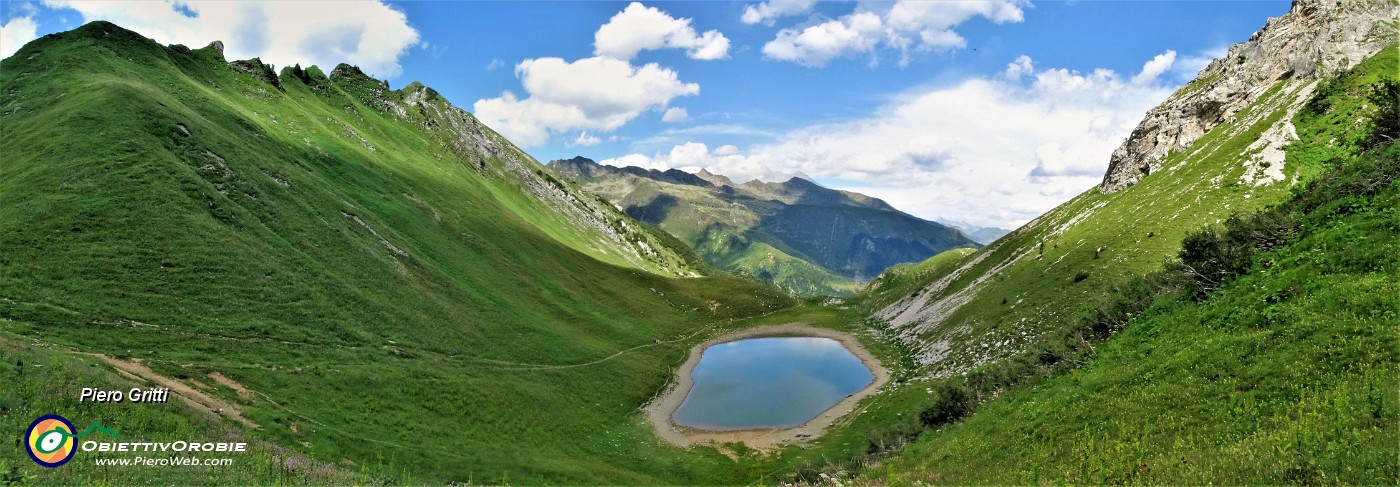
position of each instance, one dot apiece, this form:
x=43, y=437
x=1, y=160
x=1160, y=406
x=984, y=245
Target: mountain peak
x=580, y=160
x=456, y=136
x=102, y=28
x=800, y=180
x=715, y=179
x=102, y=32
x=1313, y=40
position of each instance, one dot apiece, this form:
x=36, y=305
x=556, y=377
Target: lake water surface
x=778, y=382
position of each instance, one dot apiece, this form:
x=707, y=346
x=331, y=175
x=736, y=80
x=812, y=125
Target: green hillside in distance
x=801, y=237
x=399, y=287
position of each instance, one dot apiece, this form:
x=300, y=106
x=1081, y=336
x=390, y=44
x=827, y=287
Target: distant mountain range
x=798, y=235
x=983, y=235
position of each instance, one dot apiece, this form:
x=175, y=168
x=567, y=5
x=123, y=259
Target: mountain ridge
x=797, y=234
x=352, y=255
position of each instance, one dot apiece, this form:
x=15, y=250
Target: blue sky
x=984, y=112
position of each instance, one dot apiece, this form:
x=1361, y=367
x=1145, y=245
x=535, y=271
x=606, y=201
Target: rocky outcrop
x=1313, y=40
x=257, y=69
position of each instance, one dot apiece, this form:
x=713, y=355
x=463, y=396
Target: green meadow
x=391, y=293
x=398, y=302
x=1263, y=351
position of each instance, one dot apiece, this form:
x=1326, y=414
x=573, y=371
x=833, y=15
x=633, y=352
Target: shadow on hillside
x=655, y=211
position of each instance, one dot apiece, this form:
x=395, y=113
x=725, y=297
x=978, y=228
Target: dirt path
x=243, y=392
x=659, y=410
x=201, y=401
x=523, y=366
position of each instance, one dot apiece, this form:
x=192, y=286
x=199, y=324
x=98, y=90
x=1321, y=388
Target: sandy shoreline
x=659, y=410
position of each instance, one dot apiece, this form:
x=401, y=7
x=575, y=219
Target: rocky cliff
x=1313, y=40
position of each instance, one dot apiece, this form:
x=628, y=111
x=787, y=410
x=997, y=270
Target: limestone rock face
x=1315, y=39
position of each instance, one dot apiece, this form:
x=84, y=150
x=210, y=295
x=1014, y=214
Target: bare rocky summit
x=1315, y=39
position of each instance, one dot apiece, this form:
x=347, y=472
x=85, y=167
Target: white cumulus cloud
x=596, y=93
x=994, y=151
x=371, y=35
x=693, y=156
x=638, y=28
x=816, y=45
x=675, y=114
x=1155, y=67
x=585, y=140
x=603, y=92
x=901, y=26
x=15, y=34
x=766, y=12
x=1020, y=67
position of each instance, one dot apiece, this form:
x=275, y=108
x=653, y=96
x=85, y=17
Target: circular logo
x=50, y=440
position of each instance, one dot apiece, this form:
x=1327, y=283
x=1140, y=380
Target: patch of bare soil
x=201, y=401
x=243, y=392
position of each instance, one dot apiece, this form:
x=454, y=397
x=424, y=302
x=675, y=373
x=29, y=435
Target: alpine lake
x=769, y=383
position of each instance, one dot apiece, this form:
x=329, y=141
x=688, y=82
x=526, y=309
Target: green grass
x=763, y=262
x=405, y=301
x=1286, y=374
x=413, y=288
x=1028, y=284
x=906, y=279
x=1267, y=354
x=40, y=380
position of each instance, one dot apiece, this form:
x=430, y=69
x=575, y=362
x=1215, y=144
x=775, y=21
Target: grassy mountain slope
x=1009, y=295
x=39, y=380
x=1284, y=374
x=400, y=287
x=801, y=237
